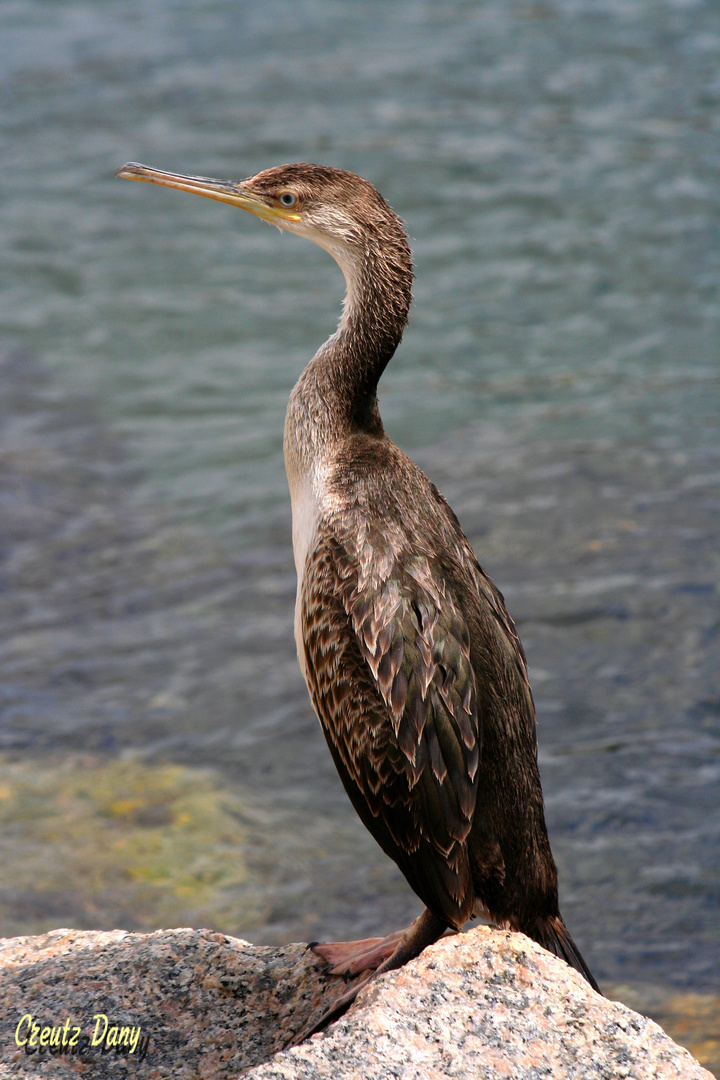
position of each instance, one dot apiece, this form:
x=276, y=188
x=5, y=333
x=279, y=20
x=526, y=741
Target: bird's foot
x=349, y=958
x=407, y=945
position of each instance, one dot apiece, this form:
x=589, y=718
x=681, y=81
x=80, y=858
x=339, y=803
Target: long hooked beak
x=221, y=190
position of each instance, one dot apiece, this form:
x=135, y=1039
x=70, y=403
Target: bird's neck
x=336, y=395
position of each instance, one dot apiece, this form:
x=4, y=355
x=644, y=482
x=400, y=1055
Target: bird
x=413, y=665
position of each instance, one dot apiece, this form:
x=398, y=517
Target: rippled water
x=558, y=167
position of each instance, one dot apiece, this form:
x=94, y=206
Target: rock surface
x=484, y=1004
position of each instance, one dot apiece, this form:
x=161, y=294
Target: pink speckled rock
x=485, y=1004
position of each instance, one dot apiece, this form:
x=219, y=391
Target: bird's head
x=337, y=210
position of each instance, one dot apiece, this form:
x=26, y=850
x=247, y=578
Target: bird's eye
x=288, y=198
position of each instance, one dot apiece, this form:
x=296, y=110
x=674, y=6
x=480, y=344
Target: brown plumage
x=413, y=664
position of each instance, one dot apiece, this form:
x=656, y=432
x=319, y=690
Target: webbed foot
x=408, y=944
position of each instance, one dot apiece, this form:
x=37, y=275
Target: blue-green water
x=558, y=168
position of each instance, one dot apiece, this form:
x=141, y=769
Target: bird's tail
x=553, y=935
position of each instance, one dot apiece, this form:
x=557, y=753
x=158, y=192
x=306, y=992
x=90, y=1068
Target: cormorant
x=413, y=665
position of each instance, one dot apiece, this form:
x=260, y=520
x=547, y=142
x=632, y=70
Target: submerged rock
x=121, y=842
x=191, y=1003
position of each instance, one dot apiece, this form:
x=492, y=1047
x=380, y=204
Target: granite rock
x=487, y=1003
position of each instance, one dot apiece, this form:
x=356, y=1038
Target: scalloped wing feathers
x=389, y=673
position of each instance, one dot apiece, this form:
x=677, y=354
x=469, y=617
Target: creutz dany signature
x=107, y=1037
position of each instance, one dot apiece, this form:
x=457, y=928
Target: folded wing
x=389, y=672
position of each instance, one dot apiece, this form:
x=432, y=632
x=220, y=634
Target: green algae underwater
x=102, y=844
